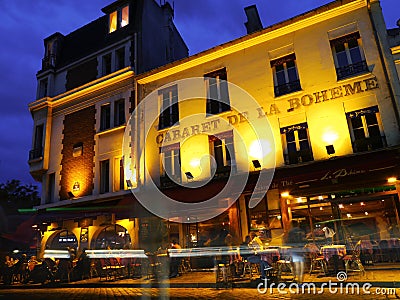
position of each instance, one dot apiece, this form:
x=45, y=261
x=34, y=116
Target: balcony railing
x=298, y=157
x=49, y=62
x=287, y=88
x=350, y=70
x=368, y=144
x=36, y=153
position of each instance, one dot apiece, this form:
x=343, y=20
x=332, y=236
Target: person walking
x=296, y=239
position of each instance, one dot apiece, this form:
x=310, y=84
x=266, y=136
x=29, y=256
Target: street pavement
x=121, y=293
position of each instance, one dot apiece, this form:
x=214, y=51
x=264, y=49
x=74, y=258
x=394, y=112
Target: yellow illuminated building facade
x=322, y=91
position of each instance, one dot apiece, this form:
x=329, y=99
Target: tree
x=14, y=196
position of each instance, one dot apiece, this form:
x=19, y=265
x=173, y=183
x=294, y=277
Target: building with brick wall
x=84, y=98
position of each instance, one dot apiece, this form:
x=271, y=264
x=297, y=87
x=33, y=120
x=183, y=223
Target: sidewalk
x=382, y=276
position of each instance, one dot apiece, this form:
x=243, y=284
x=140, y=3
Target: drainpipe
x=384, y=63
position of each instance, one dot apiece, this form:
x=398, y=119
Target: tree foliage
x=14, y=196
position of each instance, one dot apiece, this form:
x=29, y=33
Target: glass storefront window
x=113, y=237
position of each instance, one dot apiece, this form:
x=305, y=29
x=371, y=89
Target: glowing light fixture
x=330, y=136
x=285, y=194
x=391, y=179
x=259, y=149
x=195, y=163
x=341, y=206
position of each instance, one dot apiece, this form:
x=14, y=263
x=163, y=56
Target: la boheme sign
x=345, y=90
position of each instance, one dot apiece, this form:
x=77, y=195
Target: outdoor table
x=268, y=255
x=333, y=252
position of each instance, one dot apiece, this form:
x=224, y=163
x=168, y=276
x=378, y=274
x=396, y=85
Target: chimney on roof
x=253, y=23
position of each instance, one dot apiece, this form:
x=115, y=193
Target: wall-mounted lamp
x=256, y=163
x=330, y=149
x=76, y=187
x=189, y=176
x=71, y=195
x=285, y=194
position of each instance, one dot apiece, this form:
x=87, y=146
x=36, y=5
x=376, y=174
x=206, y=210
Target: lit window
x=296, y=143
x=124, y=16
x=348, y=55
x=105, y=114
x=366, y=129
x=222, y=149
x=170, y=164
x=169, y=110
x=113, y=21
x=119, y=18
x=217, y=92
x=286, y=79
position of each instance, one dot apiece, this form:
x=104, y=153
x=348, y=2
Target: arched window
x=112, y=236
x=62, y=240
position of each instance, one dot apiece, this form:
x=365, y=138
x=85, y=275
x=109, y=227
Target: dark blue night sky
x=25, y=23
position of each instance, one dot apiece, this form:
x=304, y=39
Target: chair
x=223, y=275
x=250, y=269
x=354, y=258
x=153, y=266
x=316, y=260
x=103, y=269
x=285, y=265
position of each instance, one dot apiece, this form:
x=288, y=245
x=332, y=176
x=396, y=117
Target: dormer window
x=119, y=18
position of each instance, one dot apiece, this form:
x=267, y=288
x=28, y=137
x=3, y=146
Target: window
x=43, y=88
x=105, y=117
x=348, y=55
x=106, y=64
x=120, y=61
x=104, y=176
x=119, y=112
x=37, y=150
x=170, y=163
x=50, y=187
x=222, y=149
x=217, y=92
x=366, y=129
x=296, y=142
x=121, y=175
x=286, y=78
x=119, y=18
x=169, y=110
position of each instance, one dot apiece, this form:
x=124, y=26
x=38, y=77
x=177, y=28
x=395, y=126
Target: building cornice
x=84, y=90
x=395, y=50
x=269, y=33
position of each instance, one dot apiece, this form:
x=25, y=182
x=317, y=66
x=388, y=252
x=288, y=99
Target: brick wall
x=79, y=128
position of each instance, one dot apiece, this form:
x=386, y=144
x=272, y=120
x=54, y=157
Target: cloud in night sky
x=25, y=23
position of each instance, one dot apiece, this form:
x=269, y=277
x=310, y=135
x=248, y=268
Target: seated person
x=257, y=246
